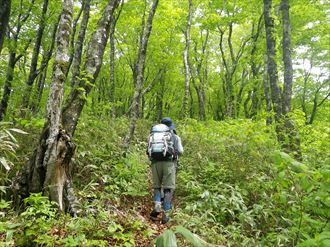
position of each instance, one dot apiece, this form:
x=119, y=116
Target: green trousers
x=163, y=174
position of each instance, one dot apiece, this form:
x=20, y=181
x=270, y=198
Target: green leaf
x=4, y=163
x=166, y=239
x=189, y=236
x=18, y=131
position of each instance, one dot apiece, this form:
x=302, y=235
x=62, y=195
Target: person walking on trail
x=164, y=148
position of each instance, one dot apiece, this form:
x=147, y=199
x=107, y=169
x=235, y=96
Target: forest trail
x=146, y=206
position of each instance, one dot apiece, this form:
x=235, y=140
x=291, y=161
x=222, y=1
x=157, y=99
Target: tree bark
x=7, y=85
x=79, y=44
x=5, y=6
x=288, y=70
x=160, y=97
x=112, y=89
x=48, y=169
x=73, y=36
x=140, y=65
x=268, y=100
x=286, y=133
x=186, y=62
x=42, y=70
x=202, y=76
x=271, y=62
x=34, y=61
x=94, y=56
x=317, y=104
x=255, y=95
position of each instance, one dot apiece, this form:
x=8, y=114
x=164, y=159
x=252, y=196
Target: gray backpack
x=161, y=143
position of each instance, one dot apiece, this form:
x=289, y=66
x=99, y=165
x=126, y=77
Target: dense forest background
x=246, y=82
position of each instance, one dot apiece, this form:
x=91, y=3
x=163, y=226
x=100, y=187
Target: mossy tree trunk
x=281, y=100
x=48, y=169
x=5, y=6
x=139, y=74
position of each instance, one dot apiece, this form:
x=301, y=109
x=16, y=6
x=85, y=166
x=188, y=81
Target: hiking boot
x=165, y=218
x=156, y=211
x=154, y=214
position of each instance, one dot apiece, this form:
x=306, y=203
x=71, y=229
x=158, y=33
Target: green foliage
x=37, y=221
x=8, y=146
x=235, y=187
x=7, y=226
x=168, y=237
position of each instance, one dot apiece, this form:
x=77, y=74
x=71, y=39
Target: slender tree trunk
x=186, y=62
x=112, y=70
x=5, y=6
x=42, y=71
x=287, y=60
x=160, y=98
x=140, y=65
x=7, y=85
x=293, y=144
x=240, y=93
x=317, y=104
x=303, y=98
x=79, y=44
x=112, y=89
x=35, y=104
x=200, y=89
x=230, y=98
x=268, y=100
x=94, y=56
x=255, y=95
x=34, y=61
x=73, y=36
x=271, y=62
x=246, y=105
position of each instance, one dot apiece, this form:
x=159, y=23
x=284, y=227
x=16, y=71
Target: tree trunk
x=79, y=44
x=268, y=100
x=35, y=104
x=271, y=62
x=5, y=6
x=34, y=61
x=293, y=144
x=42, y=71
x=73, y=36
x=286, y=133
x=140, y=65
x=317, y=104
x=7, y=85
x=112, y=89
x=160, y=97
x=288, y=71
x=186, y=62
x=48, y=169
x=255, y=95
x=94, y=56
x=240, y=93
x=202, y=77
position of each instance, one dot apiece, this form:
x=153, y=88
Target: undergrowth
x=233, y=188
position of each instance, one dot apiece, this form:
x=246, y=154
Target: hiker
x=164, y=148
